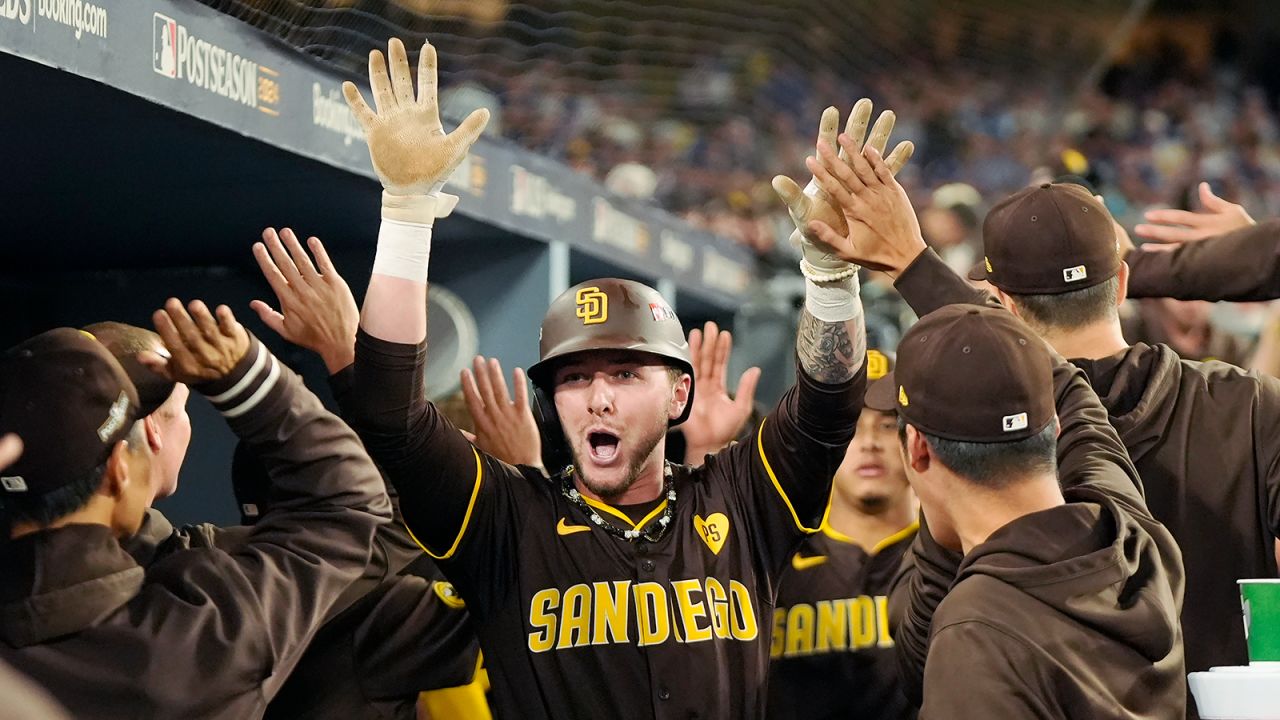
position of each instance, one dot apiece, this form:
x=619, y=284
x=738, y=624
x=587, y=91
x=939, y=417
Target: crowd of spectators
x=706, y=148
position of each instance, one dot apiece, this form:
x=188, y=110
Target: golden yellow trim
x=835, y=534
x=466, y=519
x=448, y=594
x=901, y=534
x=778, y=486
x=609, y=509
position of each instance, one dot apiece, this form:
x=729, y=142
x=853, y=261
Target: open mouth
x=604, y=446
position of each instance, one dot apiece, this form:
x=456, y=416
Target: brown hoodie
x=1203, y=438
x=1070, y=612
x=205, y=632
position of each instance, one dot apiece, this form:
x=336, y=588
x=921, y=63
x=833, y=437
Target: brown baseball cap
x=70, y=401
x=975, y=374
x=881, y=392
x=1048, y=239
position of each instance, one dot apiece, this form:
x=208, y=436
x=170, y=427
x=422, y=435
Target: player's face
x=614, y=408
x=872, y=477
x=175, y=435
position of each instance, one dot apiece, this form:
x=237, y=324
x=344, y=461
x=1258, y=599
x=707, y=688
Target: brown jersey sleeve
x=448, y=490
x=783, y=474
x=327, y=503
x=1239, y=266
x=928, y=570
x=928, y=284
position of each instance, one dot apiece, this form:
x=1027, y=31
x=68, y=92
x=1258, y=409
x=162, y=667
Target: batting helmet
x=603, y=314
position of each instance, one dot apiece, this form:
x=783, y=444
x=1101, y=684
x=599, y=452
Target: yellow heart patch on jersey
x=713, y=531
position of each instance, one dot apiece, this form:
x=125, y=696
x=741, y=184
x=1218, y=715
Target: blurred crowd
x=705, y=146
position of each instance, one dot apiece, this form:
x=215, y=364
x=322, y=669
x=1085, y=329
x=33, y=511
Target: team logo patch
x=1074, y=274
x=877, y=365
x=714, y=531
x=593, y=306
x=661, y=312
x=13, y=483
x=1012, y=423
x=448, y=595
x=902, y=396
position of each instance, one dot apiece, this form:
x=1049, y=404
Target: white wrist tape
x=404, y=250
x=833, y=301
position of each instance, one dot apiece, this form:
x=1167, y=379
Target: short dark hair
x=1070, y=310
x=48, y=507
x=997, y=464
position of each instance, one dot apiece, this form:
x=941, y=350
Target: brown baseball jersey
x=1203, y=439
x=832, y=650
x=576, y=622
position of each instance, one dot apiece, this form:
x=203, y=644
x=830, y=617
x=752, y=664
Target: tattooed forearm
x=830, y=352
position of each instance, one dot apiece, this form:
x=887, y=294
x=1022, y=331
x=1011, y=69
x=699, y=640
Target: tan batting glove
x=411, y=153
x=819, y=262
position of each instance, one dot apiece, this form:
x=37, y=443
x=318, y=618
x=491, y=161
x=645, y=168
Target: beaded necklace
x=652, y=533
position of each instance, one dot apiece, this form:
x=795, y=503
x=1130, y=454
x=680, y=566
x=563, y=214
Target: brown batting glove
x=819, y=262
x=410, y=151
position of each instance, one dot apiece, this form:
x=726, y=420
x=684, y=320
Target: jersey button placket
x=664, y=693
x=647, y=565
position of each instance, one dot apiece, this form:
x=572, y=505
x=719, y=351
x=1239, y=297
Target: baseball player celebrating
x=621, y=585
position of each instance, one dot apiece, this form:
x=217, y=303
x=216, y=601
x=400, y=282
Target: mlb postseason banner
x=188, y=57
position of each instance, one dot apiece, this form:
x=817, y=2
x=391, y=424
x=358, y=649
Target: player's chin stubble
x=635, y=464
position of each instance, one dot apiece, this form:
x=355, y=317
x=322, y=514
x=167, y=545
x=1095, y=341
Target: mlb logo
x=164, y=53
x=12, y=483
x=1013, y=423
x=1074, y=274
x=661, y=312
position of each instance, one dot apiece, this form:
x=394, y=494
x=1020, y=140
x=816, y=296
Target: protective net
x=695, y=104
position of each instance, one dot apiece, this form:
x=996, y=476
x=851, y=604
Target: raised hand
x=201, y=347
x=317, y=310
x=716, y=418
x=505, y=428
x=1216, y=217
x=881, y=229
x=814, y=204
x=10, y=450
x=410, y=151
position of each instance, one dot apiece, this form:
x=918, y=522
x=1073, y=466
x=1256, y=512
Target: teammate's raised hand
x=10, y=450
x=881, y=229
x=813, y=204
x=505, y=427
x=411, y=152
x=716, y=418
x=1215, y=217
x=317, y=310
x=202, y=346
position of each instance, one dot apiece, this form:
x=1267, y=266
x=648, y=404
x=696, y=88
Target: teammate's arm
x=1242, y=265
x=328, y=499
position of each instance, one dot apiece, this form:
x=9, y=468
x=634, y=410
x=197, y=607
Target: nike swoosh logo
x=562, y=529
x=804, y=563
